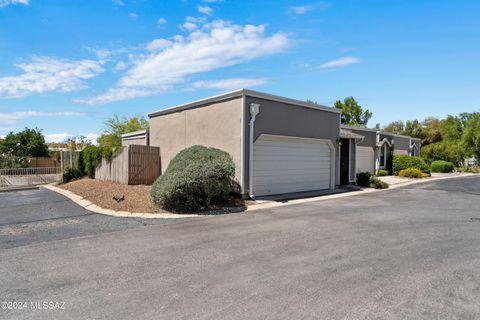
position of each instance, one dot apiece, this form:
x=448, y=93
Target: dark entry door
x=344, y=161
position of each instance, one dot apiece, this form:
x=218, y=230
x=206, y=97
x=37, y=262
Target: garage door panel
x=365, y=159
x=290, y=165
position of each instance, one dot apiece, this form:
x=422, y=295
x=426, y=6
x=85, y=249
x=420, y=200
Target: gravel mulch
x=102, y=193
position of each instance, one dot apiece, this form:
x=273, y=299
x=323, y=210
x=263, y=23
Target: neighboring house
x=137, y=137
x=279, y=145
x=376, y=149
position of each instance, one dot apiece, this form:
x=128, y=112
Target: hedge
x=366, y=179
x=401, y=162
x=382, y=173
x=196, y=178
x=442, y=166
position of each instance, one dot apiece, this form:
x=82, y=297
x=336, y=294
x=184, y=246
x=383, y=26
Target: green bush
x=411, y=173
x=442, y=166
x=376, y=183
x=382, y=173
x=196, y=178
x=363, y=179
x=469, y=169
x=71, y=174
x=401, y=162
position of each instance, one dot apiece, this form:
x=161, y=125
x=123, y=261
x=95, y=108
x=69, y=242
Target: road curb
x=12, y=189
x=88, y=205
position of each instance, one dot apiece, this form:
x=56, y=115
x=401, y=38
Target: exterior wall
x=283, y=119
x=353, y=156
x=215, y=125
x=416, y=150
x=369, y=140
x=401, y=145
x=138, y=141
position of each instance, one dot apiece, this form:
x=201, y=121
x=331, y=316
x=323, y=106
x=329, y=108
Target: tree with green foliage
x=471, y=136
x=396, y=127
x=26, y=143
x=352, y=113
x=116, y=126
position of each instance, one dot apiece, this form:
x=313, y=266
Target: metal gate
x=18, y=177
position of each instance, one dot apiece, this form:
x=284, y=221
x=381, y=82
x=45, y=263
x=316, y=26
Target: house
x=279, y=145
x=377, y=149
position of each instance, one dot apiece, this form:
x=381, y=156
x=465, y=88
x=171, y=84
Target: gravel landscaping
x=102, y=193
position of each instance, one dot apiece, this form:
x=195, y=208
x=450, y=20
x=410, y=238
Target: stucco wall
x=370, y=137
x=290, y=120
x=216, y=125
x=139, y=141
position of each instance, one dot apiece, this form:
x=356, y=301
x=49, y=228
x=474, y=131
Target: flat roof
x=344, y=126
x=241, y=93
x=134, y=134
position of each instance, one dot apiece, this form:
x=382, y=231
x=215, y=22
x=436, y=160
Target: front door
x=344, y=161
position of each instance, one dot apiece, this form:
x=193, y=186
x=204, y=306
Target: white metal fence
x=16, y=177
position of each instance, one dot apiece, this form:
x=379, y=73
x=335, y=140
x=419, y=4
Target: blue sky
x=66, y=66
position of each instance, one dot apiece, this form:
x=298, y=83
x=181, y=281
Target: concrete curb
x=269, y=205
x=88, y=205
x=12, y=189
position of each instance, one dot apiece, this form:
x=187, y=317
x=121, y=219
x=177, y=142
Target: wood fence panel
x=144, y=165
x=136, y=164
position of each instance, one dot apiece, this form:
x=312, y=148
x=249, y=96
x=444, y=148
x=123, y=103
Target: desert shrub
x=376, y=183
x=363, y=179
x=411, y=173
x=196, y=178
x=71, y=174
x=401, y=162
x=382, y=173
x=442, y=166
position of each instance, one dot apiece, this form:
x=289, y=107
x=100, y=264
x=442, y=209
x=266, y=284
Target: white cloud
x=46, y=74
x=14, y=117
x=228, y=84
x=133, y=15
x=161, y=21
x=299, y=9
x=205, y=10
x=212, y=46
x=158, y=44
x=341, y=62
x=212, y=1
x=6, y=3
x=118, y=2
x=120, y=66
x=62, y=137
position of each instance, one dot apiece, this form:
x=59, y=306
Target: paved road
x=411, y=253
x=34, y=216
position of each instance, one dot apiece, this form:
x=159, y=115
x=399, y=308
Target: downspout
x=254, y=110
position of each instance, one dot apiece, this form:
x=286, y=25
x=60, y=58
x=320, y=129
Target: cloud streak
x=341, y=62
x=46, y=74
x=229, y=84
x=6, y=3
x=14, y=117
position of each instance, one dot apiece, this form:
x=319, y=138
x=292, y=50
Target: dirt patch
x=103, y=194
x=136, y=199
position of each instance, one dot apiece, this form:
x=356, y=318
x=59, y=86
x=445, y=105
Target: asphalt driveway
x=410, y=253
x=34, y=216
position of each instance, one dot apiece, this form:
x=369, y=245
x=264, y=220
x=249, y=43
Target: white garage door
x=365, y=162
x=284, y=165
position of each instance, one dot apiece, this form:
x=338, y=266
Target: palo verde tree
x=116, y=126
x=352, y=113
x=26, y=143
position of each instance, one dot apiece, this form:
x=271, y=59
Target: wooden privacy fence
x=136, y=164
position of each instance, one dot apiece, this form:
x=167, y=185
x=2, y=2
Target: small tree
x=352, y=113
x=116, y=126
x=26, y=143
x=396, y=127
